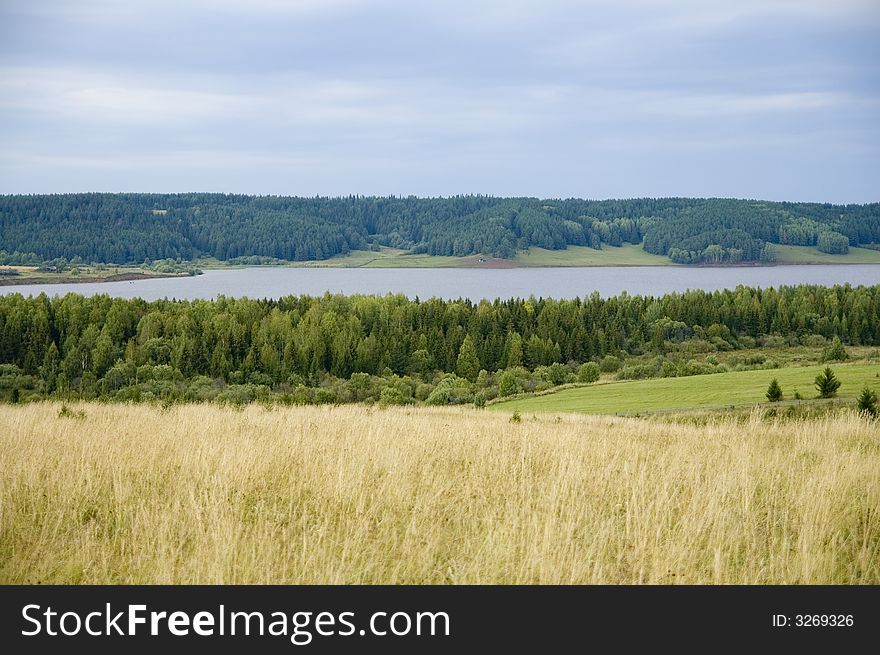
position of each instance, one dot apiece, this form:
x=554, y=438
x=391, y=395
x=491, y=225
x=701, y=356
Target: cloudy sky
x=774, y=99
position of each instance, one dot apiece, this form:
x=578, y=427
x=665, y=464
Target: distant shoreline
x=15, y=281
x=489, y=264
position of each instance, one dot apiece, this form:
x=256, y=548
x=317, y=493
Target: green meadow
x=625, y=255
x=809, y=255
x=693, y=392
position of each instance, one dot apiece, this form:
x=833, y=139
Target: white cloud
x=358, y=91
x=96, y=97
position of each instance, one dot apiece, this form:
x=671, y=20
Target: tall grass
x=136, y=494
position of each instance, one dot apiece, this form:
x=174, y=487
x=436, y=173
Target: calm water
x=475, y=284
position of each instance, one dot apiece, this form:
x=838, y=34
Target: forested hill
x=131, y=228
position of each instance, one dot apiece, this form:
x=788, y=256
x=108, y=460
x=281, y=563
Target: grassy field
x=809, y=255
x=694, y=392
x=31, y=275
x=203, y=494
x=626, y=255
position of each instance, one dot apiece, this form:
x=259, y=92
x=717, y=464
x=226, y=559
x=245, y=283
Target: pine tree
x=827, y=383
x=867, y=403
x=774, y=391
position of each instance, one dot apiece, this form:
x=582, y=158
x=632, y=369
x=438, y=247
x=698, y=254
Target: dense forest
x=131, y=228
x=396, y=350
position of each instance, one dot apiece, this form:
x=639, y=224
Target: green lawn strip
x=809, y=255
x=626, y=255
x=694, y=392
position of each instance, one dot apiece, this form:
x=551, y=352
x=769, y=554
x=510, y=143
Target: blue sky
x=773, y=99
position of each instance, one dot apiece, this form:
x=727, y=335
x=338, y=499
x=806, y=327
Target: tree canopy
x=114, y=346
x=130, y=227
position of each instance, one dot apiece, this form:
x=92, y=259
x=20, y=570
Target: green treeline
x=131, y=228
x=339, y=348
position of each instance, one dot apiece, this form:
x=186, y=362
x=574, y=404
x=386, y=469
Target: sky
x=769, y=99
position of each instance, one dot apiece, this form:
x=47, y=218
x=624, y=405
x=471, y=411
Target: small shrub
x=813, y=340
x=556, y=373
x=507, y=384
x=668, y=370
x=66, y=412
x=392, y=396
x=835, y=352
x=771, y=341
x=588, y=373
x=746, y=342
x=609, y=364
x=324, y=396
x=515, y=417
x=637, y=372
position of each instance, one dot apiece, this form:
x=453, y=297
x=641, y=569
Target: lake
x=476, y=284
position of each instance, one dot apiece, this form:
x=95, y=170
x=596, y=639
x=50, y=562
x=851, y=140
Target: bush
x=201, y=388
x=746, y=342
x=609, y=364
x=556, y=373
x=324, y=396
x=237, y=395
x=813, y=340
x=66, y=412
x=507, y=385
x=696, y=346
x=391, y=396
x=694, y=367
x=637, y=372
x=302, y=395
x=770, y=341
x=835, y=352
x=588, y=373
x=451, y=390
x=423, y=390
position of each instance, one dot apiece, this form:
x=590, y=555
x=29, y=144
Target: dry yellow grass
x=135, y=494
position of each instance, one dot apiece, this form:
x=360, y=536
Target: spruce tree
x=867, y=403
x=827, y=383
x=774, y=391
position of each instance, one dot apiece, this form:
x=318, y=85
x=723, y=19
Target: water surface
x=476, y=284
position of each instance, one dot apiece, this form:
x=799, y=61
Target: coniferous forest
x=131, y=228
x=395, y=350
